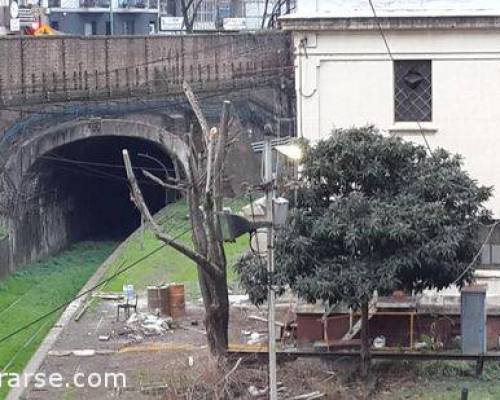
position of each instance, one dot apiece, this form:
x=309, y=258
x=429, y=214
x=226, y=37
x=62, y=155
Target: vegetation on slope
x=167, y=265
x=37, y=289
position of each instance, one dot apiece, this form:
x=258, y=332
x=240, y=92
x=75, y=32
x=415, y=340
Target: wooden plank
x=357, y=326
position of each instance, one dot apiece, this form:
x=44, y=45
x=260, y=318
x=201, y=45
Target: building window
x=206, y=11
x=90, y=28
x=412, y=90
x=490, y=254
x=128, y=27
x=224, y=10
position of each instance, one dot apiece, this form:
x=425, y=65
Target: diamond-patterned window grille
x=412, y=90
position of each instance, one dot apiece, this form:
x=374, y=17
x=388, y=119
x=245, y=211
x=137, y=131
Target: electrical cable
x=26, y=344
x=99, y=284
x=100, y=164
x=120, y=108
x=476, y=256
x=389, y=52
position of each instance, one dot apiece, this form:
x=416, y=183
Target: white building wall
x=346, y=79
x=70, y=4
x=387, y=6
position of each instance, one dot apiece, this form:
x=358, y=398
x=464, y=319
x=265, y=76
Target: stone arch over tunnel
x=69, y=183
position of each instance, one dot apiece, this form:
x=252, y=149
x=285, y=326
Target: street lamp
x=233, y=226
x=292, y=151
x=162, y=165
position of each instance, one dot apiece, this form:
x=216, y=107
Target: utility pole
x=111, y=19
x=270, y=195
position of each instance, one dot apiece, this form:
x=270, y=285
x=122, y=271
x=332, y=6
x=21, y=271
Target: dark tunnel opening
x=88, y=180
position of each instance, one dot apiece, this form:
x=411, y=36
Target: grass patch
x=37, y=289
x=168, y=265
x=441, y=380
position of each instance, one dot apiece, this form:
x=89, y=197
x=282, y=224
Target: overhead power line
x=102, y=282
x=101, y=164
x=493, y=226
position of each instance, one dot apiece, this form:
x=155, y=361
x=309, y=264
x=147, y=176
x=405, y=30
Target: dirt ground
x=177, y=364
x=173, y=365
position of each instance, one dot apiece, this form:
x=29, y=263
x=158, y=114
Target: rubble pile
x=141, y=325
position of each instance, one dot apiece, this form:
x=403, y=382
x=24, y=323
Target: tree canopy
x=375, y=213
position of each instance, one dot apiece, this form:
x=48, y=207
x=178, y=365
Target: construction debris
x=80, y=353
x=104, y=338
x=309, y=396
x=188, y=328
x=135, y=337
x=238, y=298
x=154, y=390
x=255, y=392
x=59, y=353
x=379, y=342
x=283, y=392
x=109, y=296
x=84, y=353
x=160, y=347
x=255, y=338
x=148, y=324
x=82, y=311
x=262, y=319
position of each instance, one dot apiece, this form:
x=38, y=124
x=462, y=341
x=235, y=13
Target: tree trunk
x=214, y=292
x=365, y=340
x=204, y=190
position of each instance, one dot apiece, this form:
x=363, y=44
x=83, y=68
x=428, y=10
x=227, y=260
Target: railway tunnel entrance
x=90, y=176
x=71, y=184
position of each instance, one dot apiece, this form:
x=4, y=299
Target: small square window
x=495, y=254
x=486, y=254
x=412, y=91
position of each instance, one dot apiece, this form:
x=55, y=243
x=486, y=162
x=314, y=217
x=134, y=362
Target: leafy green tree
x=375, y=213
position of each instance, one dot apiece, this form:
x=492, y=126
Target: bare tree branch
x=210, y=155
x=197, y=110
x=160, y=182
x=264, y=16
x=185, y=6
x=207, y=266
x=220, y=156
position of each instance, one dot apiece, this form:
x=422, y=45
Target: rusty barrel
x=158, y=299
x=176, y=300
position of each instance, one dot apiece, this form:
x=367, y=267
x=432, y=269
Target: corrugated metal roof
x=396, y=8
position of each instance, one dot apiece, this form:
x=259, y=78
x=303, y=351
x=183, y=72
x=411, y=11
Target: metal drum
x=158, y=299
x=176, y=300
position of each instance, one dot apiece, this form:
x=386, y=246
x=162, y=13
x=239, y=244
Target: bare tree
x=189, y=10
x=203, y=188
x=264, y=15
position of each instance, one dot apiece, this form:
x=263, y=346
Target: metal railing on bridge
x=94, y=3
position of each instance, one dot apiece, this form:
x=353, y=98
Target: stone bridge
x=69, y=105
